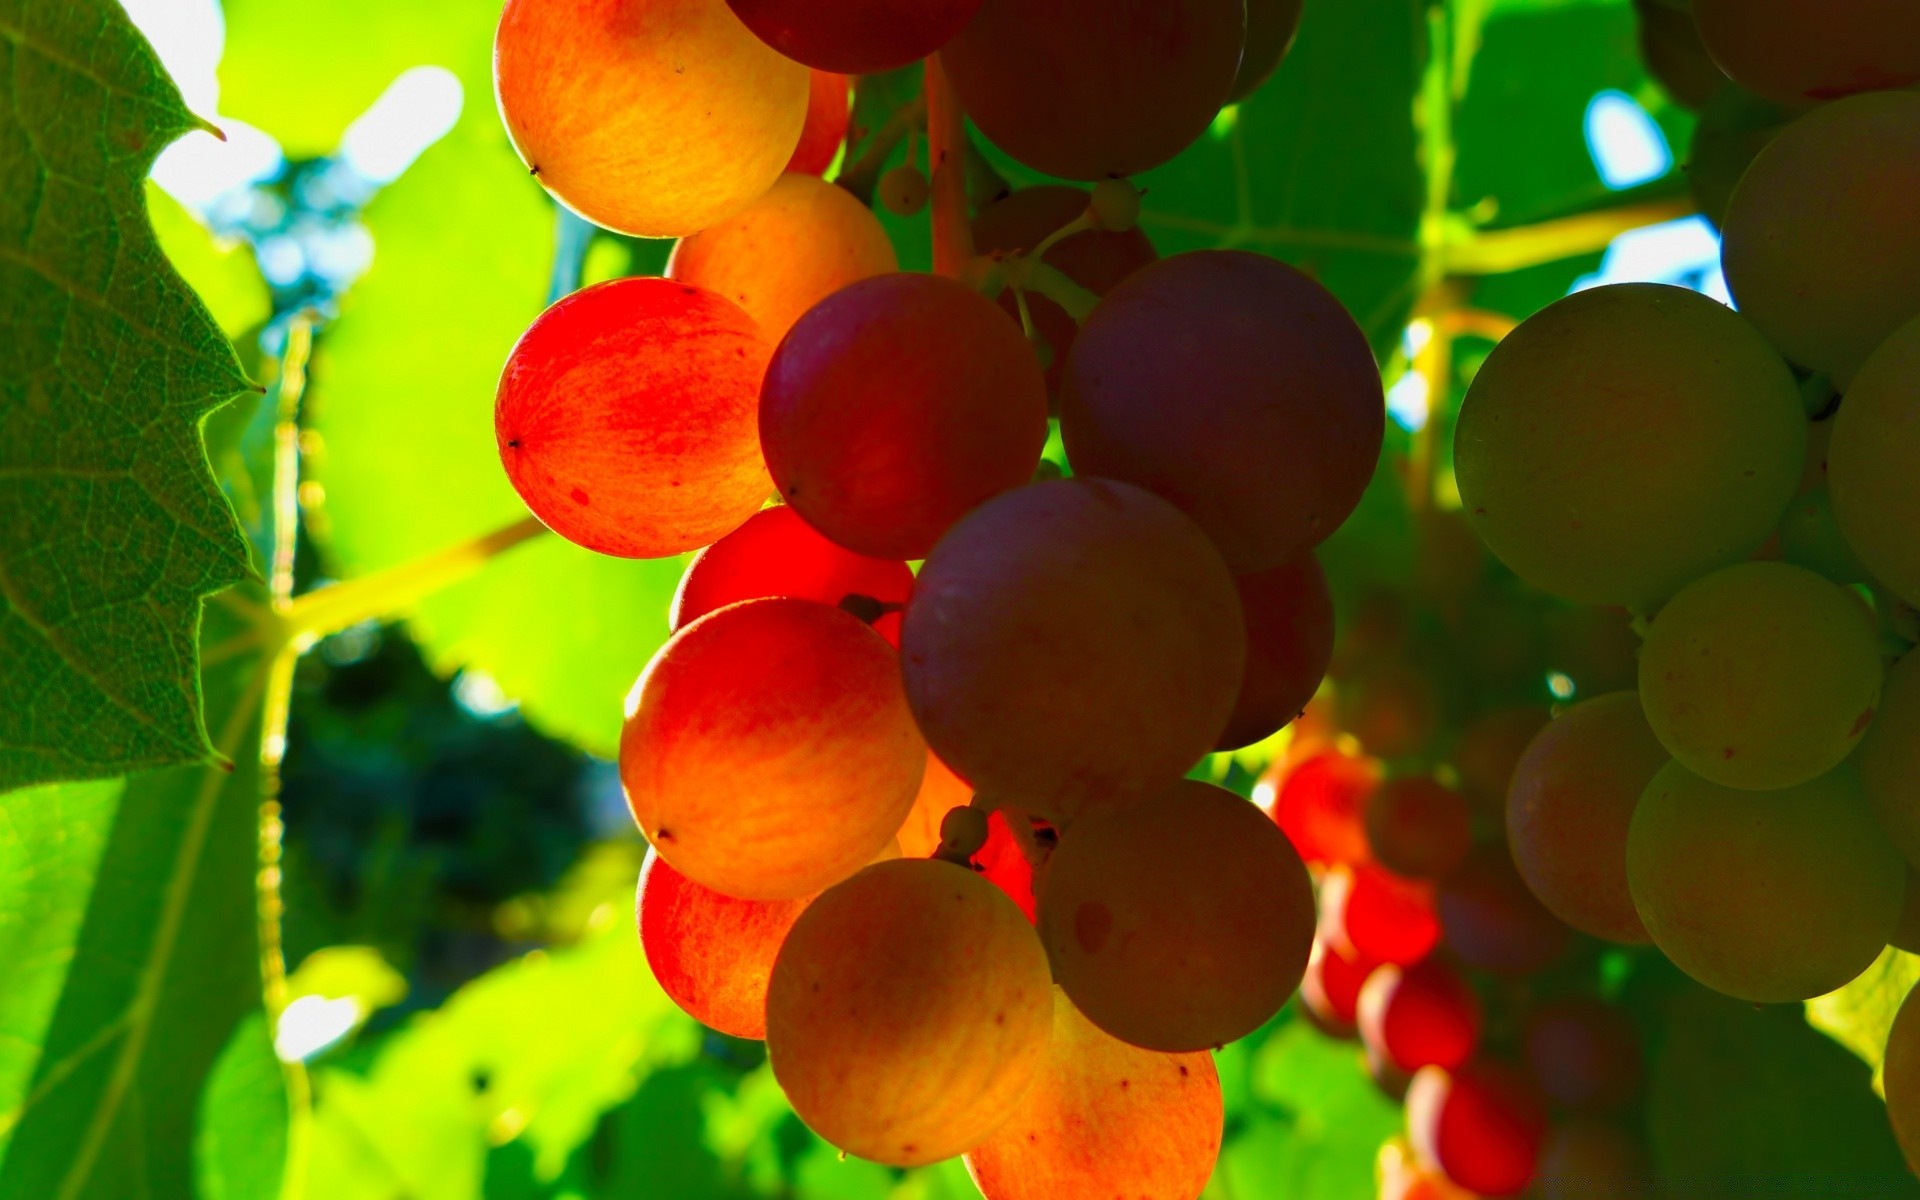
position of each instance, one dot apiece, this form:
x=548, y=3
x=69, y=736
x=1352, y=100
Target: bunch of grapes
x=928, y=831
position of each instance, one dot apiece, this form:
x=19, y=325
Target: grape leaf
x=1859, y=1015
x=113, y=528
x=240, y=1144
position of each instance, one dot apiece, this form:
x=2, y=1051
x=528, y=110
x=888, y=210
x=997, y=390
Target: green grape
x=1810, y=537
x=1821, y=245
x=1763, y=675
x=1766, y=896
x=1889, y=758
x=1873, y=463
x=1901, y=1078
x=1627, y=439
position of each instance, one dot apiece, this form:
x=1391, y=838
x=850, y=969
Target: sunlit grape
x=777, y=554
x=712, y=953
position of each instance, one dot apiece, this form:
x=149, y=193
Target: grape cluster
x=928, y=832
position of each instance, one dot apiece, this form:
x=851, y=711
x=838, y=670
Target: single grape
x=1489, y=751
x=1572, y=803
x=796, y=245
x=1096, y=259
x=1842, y=178
x=1369, y=913
x=1491, y=921
x=1876, y=442
x=710, y=952
x=1627, y=439
x=1281, y=413
x=1670, y=46
x=829, y=109
x=768, y=751
x=1084, y=89
x=855, y=37
x=1418, y=826
x=1900, y=1078
x=1584, y=1158
x=941, y=791
x=1271, y=26
x=905, y=190
x=654, y=119
x=1584, y=1053
x=1319, y=803
x=1805, y=51
x=896, y=405
x=1330, y=990
x=1766, y=896
x=908, y=1012
x=1180, y=923
x=1103, y=1119
x=1761, y=675
x=777, y=554
x=1289, y=616
x=625, y=417
x=1418, y=1016
x=1072, y=645
x=1889, y=758
x=1480, y=1123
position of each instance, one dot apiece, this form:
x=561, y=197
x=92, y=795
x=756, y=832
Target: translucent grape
x=1366, y=912
x=777, y=554
x=792, y=248
x=1418, y=827
x=1281, y=413
x=1889, y=758
x=1627, y=439
x=855, y=37
x=829, y=109
x=908, y=1012
x=1330, y=990
x=1901, y=1078
x=1876, y=442
x=1180, y=923
x=1584, y=1053
x=1490, y=919
x=1802, y=51
x=1842, y=178
x=712, y=953
x=1762, y=675
x=1105, y=1118
x=1766, y=896
x=1073, y=605
x=1289, y=615
x=625, y=417
x=1418, y=1016
x=1271, y=26
x=1572, y=802
x=1319, y=803
x=1480, y=1123
x=1084, y=89
x=653, y=119
x=896, y=405
x=768, y=751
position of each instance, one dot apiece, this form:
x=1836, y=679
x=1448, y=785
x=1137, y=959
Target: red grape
x=1417, y=1016
x=1480, y=1123
x=896, y=405
x=829, y=109
x=855, y=37
x=1330, y=990
x=1366, y=912
x=1419, y=827
x=711, y=952
x=1271, y=26
x=1491, y=921
x=625, y=417
x=1319, y=802
x=1584, y=1053
x=1289, y=614
x=1280, y=418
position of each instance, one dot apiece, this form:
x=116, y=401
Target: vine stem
x=947, y=171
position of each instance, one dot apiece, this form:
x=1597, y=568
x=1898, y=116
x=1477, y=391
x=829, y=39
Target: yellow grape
x=908, y=1012
x=654, y=119
x=1179, y=923
x=1871, y=463
x=802, y=241
x=768, y=751
x=1762, y=675
x=1766, y=896
x=1105, y=1119
x=1889, y=758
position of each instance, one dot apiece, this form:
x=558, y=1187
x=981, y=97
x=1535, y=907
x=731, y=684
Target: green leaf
x=113, y=529
x=1741, y=1092
x=240, y=1148
x=161, y=970
x=222, y=273
x=1859, y=1015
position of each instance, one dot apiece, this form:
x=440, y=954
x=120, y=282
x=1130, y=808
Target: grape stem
x=1029, y=273
x=862, y=175
x=947, y=171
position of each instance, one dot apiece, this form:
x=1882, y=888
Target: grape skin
x=829, y=110
x=1889, y=758
x=1627, y=439
x=1832, y=894
x=1320, y=804
x=1417, y=1016
x=1366, y=912
x=908, y=1011
x=710, y=952
x=1490, y=920
x=1081, y=605
x=790, y=249
x=1289, y=615
x=1103, y=1119
x=1901, y=1078
x=653, y=120
x=1418, y=826
x=1804, y=51
x=1763, y=675
x=768, y=751
x=625, y=417
x=1480, y=1123
x=1584, y=1053
x=1870, y=463
x=855, y=37
x=1271, y=26
x=1180, y=923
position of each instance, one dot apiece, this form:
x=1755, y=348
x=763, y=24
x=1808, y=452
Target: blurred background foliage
x=457, y=868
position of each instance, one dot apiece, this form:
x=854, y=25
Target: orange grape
x=1180, y=923
x=652, y=119
x=908, y=1012
x=768, y=751
x=626, y=417
x=712, y=953
x=1104, y=1119
x=829, y=109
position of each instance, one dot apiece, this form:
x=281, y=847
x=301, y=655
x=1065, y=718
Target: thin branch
x=947, y=163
